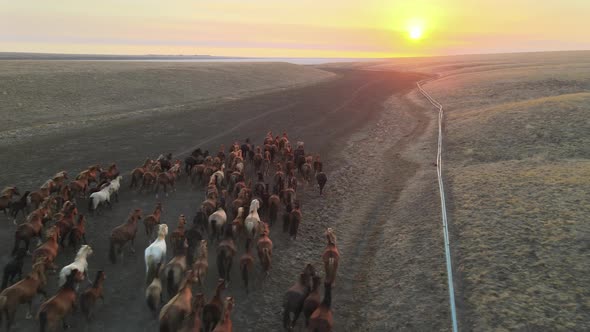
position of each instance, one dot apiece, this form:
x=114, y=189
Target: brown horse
x=294, y=221
x=49, y=248
x=90, y=174
x=226, y=324
x=194, y=322
x=312, y=302
x=166, y=179
x=30, y=229
x=322, y=319
x=264, y=248
x=6, y=198
x=174, y=312
x=174, y=270
x=23, y=292
x=89, y=297
x=37, y=197
x=330, y=257
x=197, y=174
x=295, y=297
x=247, y=263
x=78, y=233
x=111, y=173
x=225, y=255
x=122, y=234
x=59, y=306
x=177, y=237
x=274, y=203
x=137, y=173
x=79, y=187
x=153, y=293
x=212, y=310
x=66, y=223
x=149, y=179
x=201, y=265
x=152, y=220
x=59, y=180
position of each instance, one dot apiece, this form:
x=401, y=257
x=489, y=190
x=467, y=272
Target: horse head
x=162, y=230
x=85, y=251
x=254, y=205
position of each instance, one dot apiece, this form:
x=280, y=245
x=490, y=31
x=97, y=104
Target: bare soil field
x=377, y=140
x=516, y=159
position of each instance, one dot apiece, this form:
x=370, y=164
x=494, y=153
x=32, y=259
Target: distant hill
x=57, y=56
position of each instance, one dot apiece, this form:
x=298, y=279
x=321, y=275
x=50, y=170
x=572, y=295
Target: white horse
x=156, y=252
x=252, y=221
x=216, y=222
x=114, y=187
x=99, y=198
x=80, y=263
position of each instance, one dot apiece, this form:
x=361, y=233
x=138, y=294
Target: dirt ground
x=377, y=142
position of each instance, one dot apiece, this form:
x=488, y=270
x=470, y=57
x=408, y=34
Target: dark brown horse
x=78, y=233
x=194, y=322
x=32, y=228
x=49, y=248
x=151, y=221
x=111, y=173
x=225, y=255
x=212, y=310
x=90, y=296
x=247, y=264
x=122, y=234
x=226, y=325
x=294, y=221
x=6, y=198
x=23, y=292
x=79, y=187
x=274, y=203
x=137, y=173
x=295, y=297
x=59, y=306
x=312, y=302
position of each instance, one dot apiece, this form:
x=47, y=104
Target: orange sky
x=284, y=28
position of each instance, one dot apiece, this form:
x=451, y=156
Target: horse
x=99, y=199
x=274, y=203
x=193, y=236
x=111, y=173
x=114, y=187
x=155, y=253
x=153, y=293
x=89, y=297
x=23, y=292
x=225, y=255
x=246, y=264
x=80, y=264
x=212, y=310
x=122, y=234
x=194, y=322
x=49, y=248
x=312, y=302
x=216, y=222
x=226, y=324
x=238, y=223
x=65, y=224
x=90, y=174
x=137, y=173
x=152, y=220
x=252, y=221
x=19, y=206
x=79, y=187
x=78, y=233
x=13, y=268
x=174, y=271
x=177, y=237
x=6, y=198
x=288, y=196
x=30, y=229
x=60, y=305
x=149, y=179
x=330, y=257
x=201, y=265
x=37, y=197
x=165, y=179
x=295, y=296
x=264, y=248
x=295, y=220
x=321, y=178
x=322, y=319
x=174, y=312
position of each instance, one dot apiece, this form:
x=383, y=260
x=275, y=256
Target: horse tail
x=267, y=257
x=273, y=212
x=112, y=252
x=214, y=227
x=245, y=275
x=43, y=320
x=220, y=263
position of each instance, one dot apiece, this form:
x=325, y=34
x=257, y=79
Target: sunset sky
x=286, y=28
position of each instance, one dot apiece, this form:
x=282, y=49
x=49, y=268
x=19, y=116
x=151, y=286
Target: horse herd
x=237, y=213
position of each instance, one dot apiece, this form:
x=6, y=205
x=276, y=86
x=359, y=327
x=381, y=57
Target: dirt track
x=369, y=153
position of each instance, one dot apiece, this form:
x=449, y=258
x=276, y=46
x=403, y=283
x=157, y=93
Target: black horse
x=19, y=206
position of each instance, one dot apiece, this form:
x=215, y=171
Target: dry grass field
x=518, y=174
x=47, y=97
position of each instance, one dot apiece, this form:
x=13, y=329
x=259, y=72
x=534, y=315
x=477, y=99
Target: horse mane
x=83, y=252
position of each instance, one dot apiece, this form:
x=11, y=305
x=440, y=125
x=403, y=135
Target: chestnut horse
x=226, y=324
x=295, y=297
x=246, y=264
x=59, y=306
x=152, y=220
x=322, y=319
x=78, y=233
x=174, y=312
x=212, y=310
x=32, y=228
x=264, y=248
x=201, y=265
x=330, y=257
x=122, y=234
x=23, y=292
x=174, y=271
x=312, y=302
x=6, y=198
x=49, y=248
x=194, y=322
x=137, y=173
x=89, y=297
x=225, y=255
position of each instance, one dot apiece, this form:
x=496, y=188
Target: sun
x=415, y=32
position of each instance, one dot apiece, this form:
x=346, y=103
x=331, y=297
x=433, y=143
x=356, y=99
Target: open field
x=517, y=148
x=376, y=138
